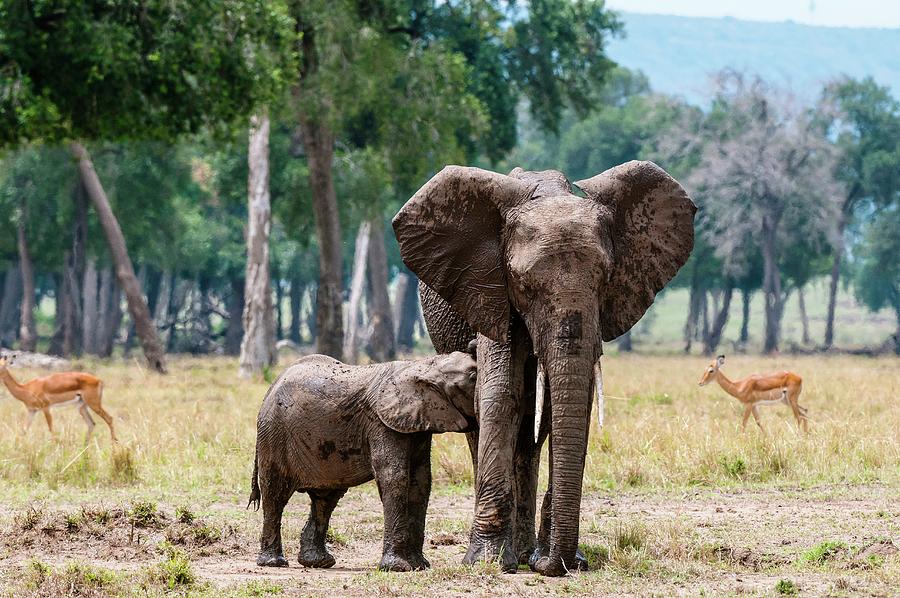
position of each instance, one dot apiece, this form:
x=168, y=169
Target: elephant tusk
x=598, y=391
x=538, y=402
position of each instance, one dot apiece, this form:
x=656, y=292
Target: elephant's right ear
x=449, y=235
x=653, y=235
x=412, y=402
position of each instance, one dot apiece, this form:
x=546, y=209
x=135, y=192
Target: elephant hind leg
x=312, y=541
x=275, y=495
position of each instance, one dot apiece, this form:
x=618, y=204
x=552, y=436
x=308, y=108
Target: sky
x=831, y=13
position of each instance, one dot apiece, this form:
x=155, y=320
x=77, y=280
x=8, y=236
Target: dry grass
x=668, y=446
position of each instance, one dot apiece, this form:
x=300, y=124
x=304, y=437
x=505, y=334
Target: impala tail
x=254, y=483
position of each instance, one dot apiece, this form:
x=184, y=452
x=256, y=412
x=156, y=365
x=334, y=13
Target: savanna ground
x=676, y=499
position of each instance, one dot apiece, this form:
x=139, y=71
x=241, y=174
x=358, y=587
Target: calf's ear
x=412, y=401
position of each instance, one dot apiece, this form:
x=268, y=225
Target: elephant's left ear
x=653, y=235
x=410, y=403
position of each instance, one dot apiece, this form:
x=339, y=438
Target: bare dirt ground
x=825, y=540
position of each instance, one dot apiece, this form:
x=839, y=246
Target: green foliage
x=136, y=69
x=144, y=513
x=824, y=552
x=786, y=587
x=175, y=571
x=878, y=267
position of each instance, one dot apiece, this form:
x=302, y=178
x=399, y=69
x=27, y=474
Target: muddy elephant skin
x=542, y=276
x=325, y=426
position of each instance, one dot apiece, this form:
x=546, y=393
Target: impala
x=759, y=389
x=66, y=388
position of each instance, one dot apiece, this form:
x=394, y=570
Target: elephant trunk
x=569, y=360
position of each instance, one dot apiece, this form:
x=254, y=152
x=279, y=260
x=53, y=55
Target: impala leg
x=29, y=419
x=86, y=415
x=105, y=416
x=755, y=411
x=747, y=410
x=799, y=414
x=49, y=418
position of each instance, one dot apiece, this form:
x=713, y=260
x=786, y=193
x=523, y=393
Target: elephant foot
x=487, y=550
x=315, y=558
x=541, y=555
x=391, y=561
x=267, y=559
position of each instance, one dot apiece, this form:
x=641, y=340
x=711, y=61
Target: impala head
x=711, y=370
x=6, y=360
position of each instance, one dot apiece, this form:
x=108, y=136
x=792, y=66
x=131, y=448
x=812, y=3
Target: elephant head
x=578, y=270
x=430, y=395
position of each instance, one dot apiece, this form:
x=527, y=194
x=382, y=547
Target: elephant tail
x=254, y=483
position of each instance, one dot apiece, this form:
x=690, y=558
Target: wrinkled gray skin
x=325, y=426
x=541, y=275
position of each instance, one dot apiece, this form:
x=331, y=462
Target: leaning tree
x=78, y=72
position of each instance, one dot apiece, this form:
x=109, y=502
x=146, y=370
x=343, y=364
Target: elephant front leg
x=499, y=412
x=527, y=463
x=419, y=492
x=391, y=462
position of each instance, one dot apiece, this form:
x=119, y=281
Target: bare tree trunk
x=89, y=313
x=279, y=300
x=59, y=324
x=297, y=289
x=381, y=340
x=357, y=286
x=9, y=307
x=745, y=316
x=137, y=306
x=771, y=286
x=624, y=343
x=312, y=318
x=234, y=333
x=258, y=344
x=718, y=326
x=833, y=290
x=690, y=326
x=703, y=332
x=318, y=142
x=804, y=319
x=27, y=332
x=110, y=312
x=406, y=304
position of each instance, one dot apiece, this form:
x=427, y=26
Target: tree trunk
x=804, y=319
x=10, y=306
x=624, y=343
x=690, y=326
x=381, y=340
x=771, y=286
x=745, y=316
x=234, y=332
x=297, y=289
x=718, y=327
x=406, y=304
x=89, y=313
x=59, y=326
x=110, y=312
x=312, y=317
x=27, y=332
x=258, y=344
x=279, y=300
x=357, y=286
x=137, y=306
x=318, y=141
x=833, y=287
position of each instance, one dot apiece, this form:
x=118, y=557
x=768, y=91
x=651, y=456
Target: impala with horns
x=759, y=389
x=76, y=389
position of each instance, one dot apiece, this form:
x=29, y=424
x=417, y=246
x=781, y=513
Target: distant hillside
x=678, y=53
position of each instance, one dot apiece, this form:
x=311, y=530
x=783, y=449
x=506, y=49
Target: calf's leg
x=312, y=541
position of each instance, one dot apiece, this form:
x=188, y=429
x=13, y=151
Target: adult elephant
x=542, y=276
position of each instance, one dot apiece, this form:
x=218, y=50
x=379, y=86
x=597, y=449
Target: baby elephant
x=325, y=426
